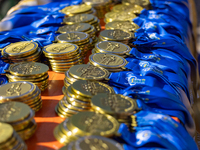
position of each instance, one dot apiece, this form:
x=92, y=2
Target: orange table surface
x=46, y=118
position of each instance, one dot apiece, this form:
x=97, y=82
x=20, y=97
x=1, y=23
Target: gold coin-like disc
x=13, y=111
x=6, y=132
x=92, y=123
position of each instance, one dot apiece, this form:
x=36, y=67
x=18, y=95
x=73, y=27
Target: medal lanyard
x=144, y=136
x=127, y=79
x=164, y=123
x=49, y=8
x=158, y=123
x=159, y=61
x=146, y=69
x=170, y=55
x=158, y=98
x=36, y=15
x=146, y=42
x=178, y=9
x=173, y=45
x=9, y=38
x=148, y=16
x=3, y=66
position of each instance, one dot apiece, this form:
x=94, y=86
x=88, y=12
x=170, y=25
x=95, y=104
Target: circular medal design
x=72, y=37
x=6, y=132
x=112, y=47
x=28, y=68
x=88, y=72
x=107, y=60
x=13, y=111
x=113, y=104
x=90, y=88
x=92, y=123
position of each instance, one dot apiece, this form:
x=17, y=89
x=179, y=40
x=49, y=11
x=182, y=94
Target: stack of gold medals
x=118, y=36
x=132, y=9
x=123, y=12
x=96, y=142
x=77, y=97
x=85, y=72
x=143, y=3
x=29, y=71
x=9, y=139
x=21, y=51
x=83, y=18
x=62, y=56
x=119, y=106
x=20, y=116
x=85, y=124
x=112, y=47
x=21, y=91
x=80, y=27
x=78, y=9
x=81, y=39
x=101, y=6
x=119, y=16
x=109, y=61
x=127, y=26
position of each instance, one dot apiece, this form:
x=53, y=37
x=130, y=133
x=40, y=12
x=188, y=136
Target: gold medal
x=20, y=49
x=78, y=27
x=114, y=104
x=112, y=47
x=11, y=112
x=90, y=88
x=119, y=16
x=76, y=9
x=123, y=25
x=116, y=35
x=90, y=123
x=88, y=72
x=107, y=60
x=136, y=9
x=72, y=37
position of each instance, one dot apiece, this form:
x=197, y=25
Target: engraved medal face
x=97, y=143
x=107, y=60
x=74, y=9
x=125, y=25
x=59, y=48
x=115, y=34
x=88, y=72
x=119, y=16
x=113, y=47
x=72, y=37
x=28, y=68
x=114, y=103
x=121, y=7
x=80, y=27
x=79, y=18
x=127, y=8
x=137, y=2
x=20, y=47
x=90, y=88
x=14, y=89
x=92, y=123
x=13, y=111
x=6, y=132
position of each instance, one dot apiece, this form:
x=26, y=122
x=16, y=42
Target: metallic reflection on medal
x=20, y=116
x=22, y=91
x=9, y=138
